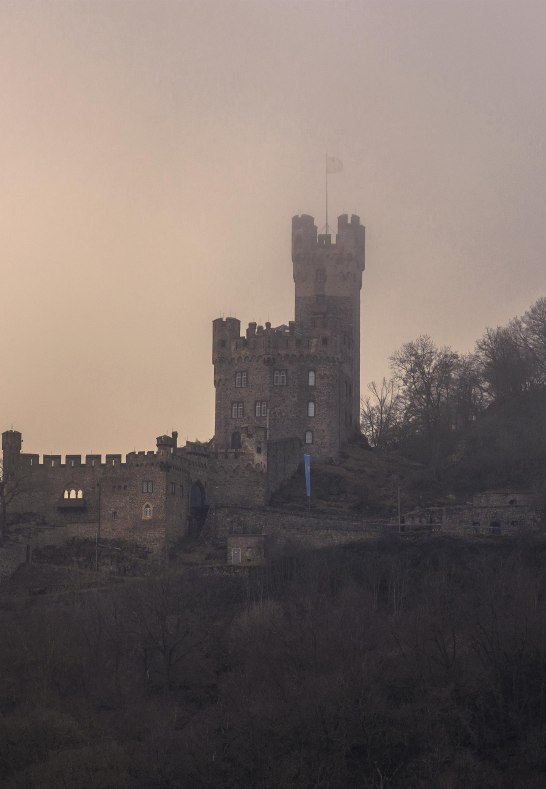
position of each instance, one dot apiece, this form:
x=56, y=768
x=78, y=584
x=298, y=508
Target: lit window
x=66, y=494
x=241, y=379
x=311, y=375
x=80, y=494
x=148, y=486
x=72, y=494
x=147, y=512
x=279, y=378
x=311, y=408
x=308, y=436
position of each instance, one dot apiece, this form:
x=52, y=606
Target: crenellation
x=280, y=391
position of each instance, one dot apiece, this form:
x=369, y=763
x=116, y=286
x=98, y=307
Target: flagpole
x=326, y=178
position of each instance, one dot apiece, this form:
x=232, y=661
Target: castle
x=280, y=392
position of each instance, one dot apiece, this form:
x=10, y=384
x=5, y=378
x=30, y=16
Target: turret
x=12, y=442
x=223, y=331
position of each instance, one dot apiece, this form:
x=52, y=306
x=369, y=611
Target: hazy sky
x=153, y=153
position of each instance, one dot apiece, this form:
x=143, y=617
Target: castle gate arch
x=198, y=507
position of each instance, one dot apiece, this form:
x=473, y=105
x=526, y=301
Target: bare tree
x=381, y=413
x=426, y=377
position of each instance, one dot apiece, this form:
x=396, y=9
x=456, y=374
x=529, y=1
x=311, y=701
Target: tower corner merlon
x=304, y=236
x=351, y=237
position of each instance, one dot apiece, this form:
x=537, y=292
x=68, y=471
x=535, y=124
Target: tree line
x=435, y=394
x=397, y=663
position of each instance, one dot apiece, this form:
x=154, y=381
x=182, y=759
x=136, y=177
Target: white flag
x=333, y=165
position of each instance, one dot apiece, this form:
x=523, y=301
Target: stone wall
x=470, y=519
x=289, y=530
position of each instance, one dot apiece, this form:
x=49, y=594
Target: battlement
x=166, y=445
x=349, y=244
x=267, y=340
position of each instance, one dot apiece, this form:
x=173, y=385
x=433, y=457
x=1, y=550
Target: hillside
x=504, y=448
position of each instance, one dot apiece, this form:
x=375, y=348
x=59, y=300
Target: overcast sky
x=152, y=154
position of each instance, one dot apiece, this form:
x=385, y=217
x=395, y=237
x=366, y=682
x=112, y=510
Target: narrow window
x=264, y=407
x=311, y=376
x=72, y=463
x=311, y=408
x=279, y=378
x=65, y=494
x=173, y=488
x=147, y=511
x=258, y=408
x=80, y=494
x=72, y=494
x=234, y=410
x=240, y=410
x=325, y=340
x=114, y=515
x=308, y=436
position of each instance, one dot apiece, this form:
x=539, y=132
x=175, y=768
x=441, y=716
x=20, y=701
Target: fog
x=153, y=154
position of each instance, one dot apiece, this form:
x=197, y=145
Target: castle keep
x=300, y=380
x=280, y=391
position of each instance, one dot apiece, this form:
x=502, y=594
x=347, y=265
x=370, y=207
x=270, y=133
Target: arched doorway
x=198, y=508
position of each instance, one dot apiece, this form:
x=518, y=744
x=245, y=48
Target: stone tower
x=12, y=442
x=328, y=280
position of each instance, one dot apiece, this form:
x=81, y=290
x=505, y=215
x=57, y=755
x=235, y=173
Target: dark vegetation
x=409, y=662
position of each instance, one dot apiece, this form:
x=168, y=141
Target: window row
x=260, y=410
x=280, y=378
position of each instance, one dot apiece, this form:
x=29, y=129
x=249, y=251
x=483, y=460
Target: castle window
x=279, y=378
x=237, y=410
x=311, y=377
x=261, y=408
x=114, y=515
x=241, y=379
x=173, y=488
x=147, y=511
x=308, y=436
x=148, y=486
x=311, y=408
x=73, y=493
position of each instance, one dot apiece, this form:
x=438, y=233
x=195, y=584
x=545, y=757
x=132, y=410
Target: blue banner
x=307, y=466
